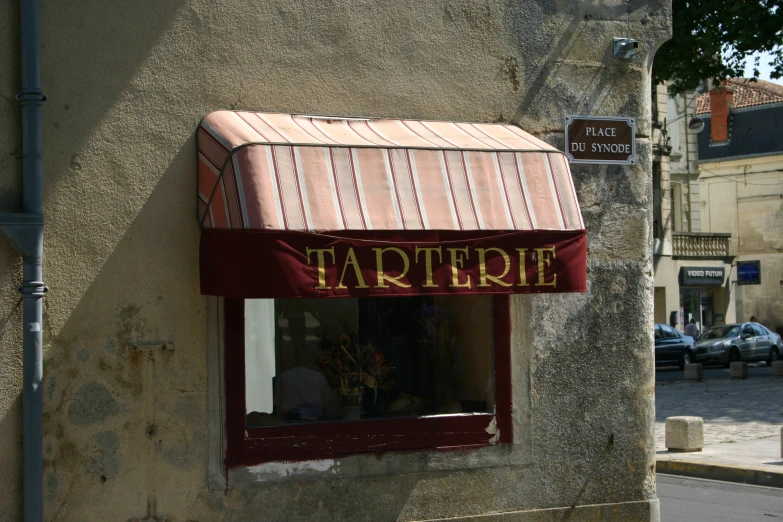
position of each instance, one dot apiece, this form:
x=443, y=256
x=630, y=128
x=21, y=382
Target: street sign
x=748, y=272
x=600, y=140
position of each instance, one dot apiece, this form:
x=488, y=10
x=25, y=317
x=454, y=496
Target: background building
x=692, y=263
x=741, y=179
x=718, y=192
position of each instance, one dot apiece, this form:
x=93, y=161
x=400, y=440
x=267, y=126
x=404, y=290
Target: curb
x=724, y=472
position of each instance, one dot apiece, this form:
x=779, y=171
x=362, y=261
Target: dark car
x=738, y=342
x=672, y=347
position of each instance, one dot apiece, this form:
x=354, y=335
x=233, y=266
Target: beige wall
x=127, y=83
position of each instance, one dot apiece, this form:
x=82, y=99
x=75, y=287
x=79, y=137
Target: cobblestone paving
x=732, y=410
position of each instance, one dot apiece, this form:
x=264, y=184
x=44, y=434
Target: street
x=733, y=410
x=694, y=500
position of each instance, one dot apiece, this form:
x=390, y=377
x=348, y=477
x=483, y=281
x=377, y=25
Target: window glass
x=721, y=331
x=758, y=330
x=748, y=330
x=658, y=334
x=669, y=332
x=327, y=360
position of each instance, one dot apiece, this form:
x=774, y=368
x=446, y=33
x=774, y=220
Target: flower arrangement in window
x=350, y=367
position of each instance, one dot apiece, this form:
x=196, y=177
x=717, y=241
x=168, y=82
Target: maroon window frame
x=329, y=440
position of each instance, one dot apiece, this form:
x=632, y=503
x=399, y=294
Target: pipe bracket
x=33, y=289
x=31, y=97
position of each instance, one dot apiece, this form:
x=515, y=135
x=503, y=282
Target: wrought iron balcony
x=705, y=245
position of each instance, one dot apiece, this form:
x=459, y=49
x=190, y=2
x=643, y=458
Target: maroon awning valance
x=296, y=206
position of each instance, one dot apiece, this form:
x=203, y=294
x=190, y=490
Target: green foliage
x=713, y=39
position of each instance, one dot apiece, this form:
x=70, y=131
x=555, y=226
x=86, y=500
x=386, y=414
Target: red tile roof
x=746, y=94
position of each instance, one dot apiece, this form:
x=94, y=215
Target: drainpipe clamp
x=30, y=97
x=33, y=289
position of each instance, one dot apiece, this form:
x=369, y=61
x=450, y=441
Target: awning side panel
x=567, y=191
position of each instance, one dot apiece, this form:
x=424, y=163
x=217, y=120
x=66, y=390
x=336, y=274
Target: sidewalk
x=742, y=422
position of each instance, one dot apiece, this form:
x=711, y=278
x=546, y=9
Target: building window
x=316, y=378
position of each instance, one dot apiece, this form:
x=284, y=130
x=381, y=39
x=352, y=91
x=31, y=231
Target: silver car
x=738, y=342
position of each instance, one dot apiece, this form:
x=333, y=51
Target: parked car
x=738, y=342
x=672, y=347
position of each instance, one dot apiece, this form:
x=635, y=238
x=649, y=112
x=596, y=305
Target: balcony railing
x=701, y=244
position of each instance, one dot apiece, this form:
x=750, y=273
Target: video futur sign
x=702, y=276
x=600, y=140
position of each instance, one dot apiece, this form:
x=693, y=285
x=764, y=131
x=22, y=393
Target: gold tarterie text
x=432, y=258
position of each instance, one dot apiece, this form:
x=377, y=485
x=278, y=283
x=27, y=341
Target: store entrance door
x=707, y=314
x=697, y=303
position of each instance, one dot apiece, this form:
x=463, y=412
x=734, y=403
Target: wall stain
x=476, y=14
x=510, y=71
x=111, y=346
x=52, y=486
x=50, y=387
x=92, y=403
x=105, y=460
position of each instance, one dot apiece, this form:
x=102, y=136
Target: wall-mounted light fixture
x=625, y=48
x=694, y=124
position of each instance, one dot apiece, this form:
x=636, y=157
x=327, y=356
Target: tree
x=713, y=39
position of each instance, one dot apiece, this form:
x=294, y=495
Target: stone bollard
x=684, y=434
x=694, y=372
x=777, y=368
x=738, y=370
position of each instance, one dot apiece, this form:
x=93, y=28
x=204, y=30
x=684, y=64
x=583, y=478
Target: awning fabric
x=273, y=189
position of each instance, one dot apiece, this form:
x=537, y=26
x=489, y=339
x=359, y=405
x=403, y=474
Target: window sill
x=430, y=460
x=335, y=440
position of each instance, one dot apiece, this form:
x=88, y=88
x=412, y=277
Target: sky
x=764, y=69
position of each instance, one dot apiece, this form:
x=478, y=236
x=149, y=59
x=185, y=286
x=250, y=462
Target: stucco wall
x=127, y=83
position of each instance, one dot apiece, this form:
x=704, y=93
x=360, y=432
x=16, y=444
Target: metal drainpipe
x=25, y=232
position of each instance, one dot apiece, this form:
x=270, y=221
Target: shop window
x=316, y=378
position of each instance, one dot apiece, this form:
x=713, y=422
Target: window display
x=313, y=361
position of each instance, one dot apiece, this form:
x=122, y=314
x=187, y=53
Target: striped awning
x=304, y=206
x=306, y=173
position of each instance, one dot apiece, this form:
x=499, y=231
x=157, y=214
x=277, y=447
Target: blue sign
x=748, y=273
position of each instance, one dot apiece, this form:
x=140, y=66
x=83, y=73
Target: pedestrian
x=753, y=319
x=691, y=329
